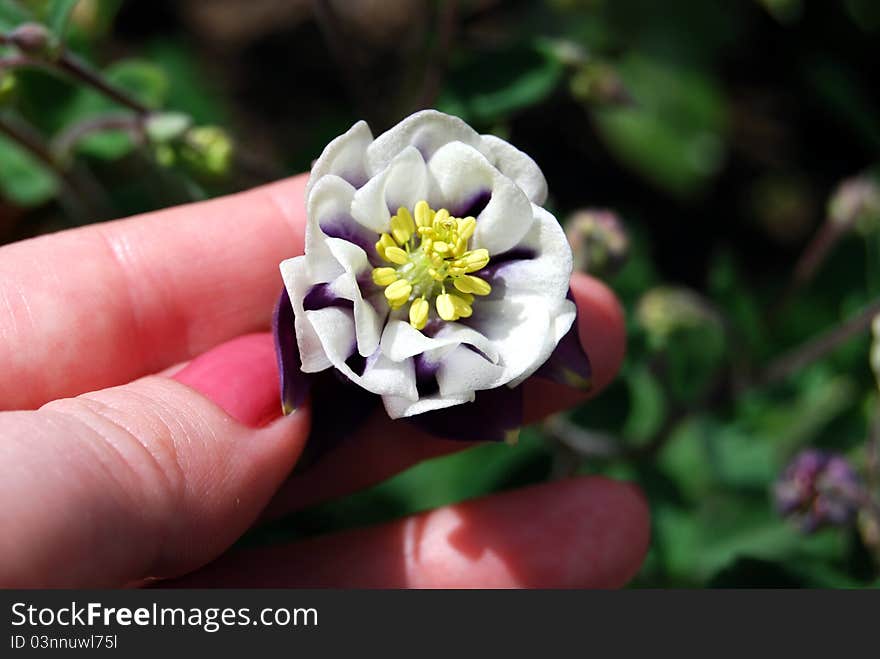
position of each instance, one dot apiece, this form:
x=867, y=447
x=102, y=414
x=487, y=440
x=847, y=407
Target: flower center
x=430, y=262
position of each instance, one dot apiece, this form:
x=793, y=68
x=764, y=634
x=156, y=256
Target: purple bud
x=31, y=38
x=819, y=489
x=598, y=240
x=856, y=202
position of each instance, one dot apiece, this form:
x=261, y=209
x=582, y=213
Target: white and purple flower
x=432, y=277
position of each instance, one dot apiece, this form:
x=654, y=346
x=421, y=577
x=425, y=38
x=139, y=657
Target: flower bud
x=209, y=150
x=599, y=83
x=819, y=489
x=664, y=310
x=598, y=240
x=856, y=203
x=164, y=127
x=32, y=39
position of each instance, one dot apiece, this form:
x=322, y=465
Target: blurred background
x=713, y=161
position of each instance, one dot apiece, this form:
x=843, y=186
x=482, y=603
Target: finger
x=602, y=331
x=101, y=305
x=585, y=532
x=384, y=447
x=147, y=479
x=378, y=450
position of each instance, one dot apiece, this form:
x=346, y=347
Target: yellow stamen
x=424, y=215
x=471, y=284
x=462, y=307
x=384, y=276
x=445, y=307
x=385, y=241
x=427, y=252
x=398, y=293
x=418, y=313
x=396, y=255
x=402, y=226
x=466, y=227
x=473, y=260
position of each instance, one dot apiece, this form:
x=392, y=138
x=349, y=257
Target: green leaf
x=142, y=79
x=106, y=145
x=647, y=404
x=24, y=181
x=12, y=14
x=189, y=88
x=487, y=87
x=58, y=13
x=674, y=134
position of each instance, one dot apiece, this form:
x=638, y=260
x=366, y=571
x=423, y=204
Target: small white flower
x=431, y=271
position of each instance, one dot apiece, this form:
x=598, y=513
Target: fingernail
x=240, y=376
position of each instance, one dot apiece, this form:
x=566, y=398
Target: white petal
x=367, y=318
x=344, y=157
x=518, y=327
x=398, y=407
x=427, y=131
x=297, y=282
x=462, y=371
x=401, y=341
x=459, y=171
x=329, y=201
x=403, y=183
x=561, y=321
x=548, y=274
x=339, y=261
x=517, y=166
x=335, y=329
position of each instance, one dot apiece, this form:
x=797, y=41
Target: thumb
x=152, y=478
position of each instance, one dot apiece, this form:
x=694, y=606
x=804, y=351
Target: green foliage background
x=717, y=130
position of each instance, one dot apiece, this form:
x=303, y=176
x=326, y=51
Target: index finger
x=101, y=305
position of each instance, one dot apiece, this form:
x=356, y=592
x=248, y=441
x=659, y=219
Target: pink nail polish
x=240, y=376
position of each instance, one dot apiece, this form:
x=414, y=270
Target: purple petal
x=339, y=409
x=491, y=417
x=346, y=228
x=473, y=205
x=426, y=376
x=568, y=364
x=294, y=383
x=498, y=262
x=321, y=296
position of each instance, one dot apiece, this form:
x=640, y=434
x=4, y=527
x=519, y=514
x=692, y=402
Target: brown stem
x=70, y=64
x=77, y=69
x=814, y=349
x=29, y=140
x=64, y=143
x=18, y=61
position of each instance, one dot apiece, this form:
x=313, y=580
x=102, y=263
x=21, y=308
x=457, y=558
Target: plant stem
x=28, y=139
x=77, y=69
x=814, y=349
x=64, y=143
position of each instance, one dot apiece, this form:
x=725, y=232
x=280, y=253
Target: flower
x=819, y=489
x=431, y=272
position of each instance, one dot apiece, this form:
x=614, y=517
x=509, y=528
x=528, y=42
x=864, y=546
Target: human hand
x=157, y=475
